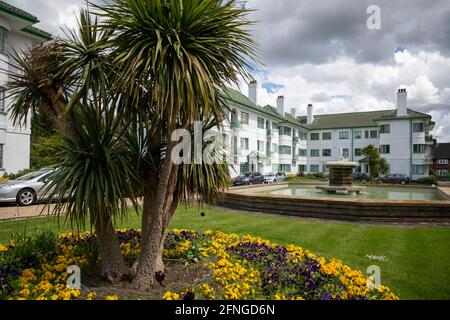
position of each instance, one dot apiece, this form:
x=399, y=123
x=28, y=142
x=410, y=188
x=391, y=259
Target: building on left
x=17, y=32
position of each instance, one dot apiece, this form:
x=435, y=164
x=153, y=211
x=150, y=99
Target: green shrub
x=427, y=180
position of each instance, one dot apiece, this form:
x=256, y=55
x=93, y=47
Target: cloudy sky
x=322, y=52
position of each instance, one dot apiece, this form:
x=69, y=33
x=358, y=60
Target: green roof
x=19, y=13
x=38, y=32
x=327, y=121
x=358, y=119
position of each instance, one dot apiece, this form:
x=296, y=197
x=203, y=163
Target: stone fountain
x=341, y=177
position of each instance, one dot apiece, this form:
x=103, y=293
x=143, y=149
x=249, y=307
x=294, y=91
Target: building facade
x=269, y=139
x=16, y=34
x=441, y=160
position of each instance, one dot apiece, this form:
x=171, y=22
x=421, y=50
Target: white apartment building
x=268, y=139
x=16, y=34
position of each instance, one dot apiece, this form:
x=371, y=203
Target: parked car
x=395, y=178
x=274, y=178
x=360, y=176
x=27, y=189
x=248, y=178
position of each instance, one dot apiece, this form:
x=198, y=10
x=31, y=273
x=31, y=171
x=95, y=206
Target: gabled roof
x=441, y=151
x=237, y=97
x=31, y=19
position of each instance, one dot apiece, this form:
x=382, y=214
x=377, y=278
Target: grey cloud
x=293, y=31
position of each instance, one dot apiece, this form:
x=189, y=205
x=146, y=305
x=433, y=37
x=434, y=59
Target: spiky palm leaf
x=96, y=176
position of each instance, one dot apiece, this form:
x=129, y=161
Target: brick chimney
x=402, y=103
x=310, y=117
x=253, y=91
x=280, y=105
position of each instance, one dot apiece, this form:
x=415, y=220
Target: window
x=326, y=153
x=419, y=148
x=373, y=134
x=344, y=135
x=274, y=126
x=285, y=168
x=315, y=136
x=3, y=40
x=385, y=128
x=315, y=153
x=260, y=145
x=2, y=99
x=303, y=136
x=367, y=134
x=1, y=156
x=442, y=161
x=285, y=150
x=418, y=127
x=418, y=169
x=358, y=135
x=302, y=152
x=442, y=172
x=325, y=169
x=326, y=136
x=261, y=123
x=301, y=168
x=244, y=167
x=358, y=152
x=385, y=149
x=274, y=148
x=345, y=153
x=244, y=118
x=314, y=168
x=285, y=131
x=244, y=143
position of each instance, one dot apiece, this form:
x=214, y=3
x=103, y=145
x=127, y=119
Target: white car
x=274, y=178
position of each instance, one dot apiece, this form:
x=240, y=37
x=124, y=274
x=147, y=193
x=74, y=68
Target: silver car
x=27, y=189
x=274, y=178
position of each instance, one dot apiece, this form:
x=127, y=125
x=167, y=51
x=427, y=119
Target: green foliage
x=89, y=248
x=377, y=165
x=44, y=151
x=427, y=180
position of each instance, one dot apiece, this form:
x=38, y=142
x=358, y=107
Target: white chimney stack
x=253, y=91
x=293, y=112
x=310, y=118
x=280, y=105
x=402, y=103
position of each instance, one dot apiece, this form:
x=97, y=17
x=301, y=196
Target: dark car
x=361, y=176
x=395, y=178
x=249, y=178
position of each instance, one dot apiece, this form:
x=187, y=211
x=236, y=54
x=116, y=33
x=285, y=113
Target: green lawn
x=418, y=265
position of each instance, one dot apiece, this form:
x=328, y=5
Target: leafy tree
x=377, y=165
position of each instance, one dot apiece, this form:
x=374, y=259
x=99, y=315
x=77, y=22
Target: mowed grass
x=418, y=257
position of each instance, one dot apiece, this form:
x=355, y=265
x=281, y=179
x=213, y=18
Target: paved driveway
x=8, y=212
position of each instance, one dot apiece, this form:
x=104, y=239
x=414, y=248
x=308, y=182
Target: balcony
x=429, y=139
x=236, y=125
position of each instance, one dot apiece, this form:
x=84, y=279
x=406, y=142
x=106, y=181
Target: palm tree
x=179, y=55
x=67, y=82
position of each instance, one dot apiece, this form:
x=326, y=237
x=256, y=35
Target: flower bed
x=240, y=267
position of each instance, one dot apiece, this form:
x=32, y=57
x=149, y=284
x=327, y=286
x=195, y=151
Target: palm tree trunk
x=152, y=243
x=112, y=262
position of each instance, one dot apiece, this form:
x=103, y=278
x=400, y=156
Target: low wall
x=391, y=211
